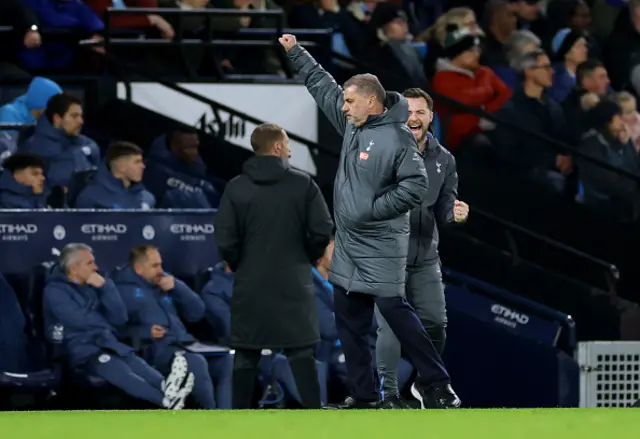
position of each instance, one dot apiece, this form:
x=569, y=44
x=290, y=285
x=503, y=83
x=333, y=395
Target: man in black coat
x=381, y=177
x=271, y=227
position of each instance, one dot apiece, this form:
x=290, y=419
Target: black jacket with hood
x=380, y=178
x=271, y=227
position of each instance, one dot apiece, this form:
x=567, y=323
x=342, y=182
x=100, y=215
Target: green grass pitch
x=299, y=424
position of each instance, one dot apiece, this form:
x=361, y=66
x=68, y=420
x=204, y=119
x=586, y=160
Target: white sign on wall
x=289, y=106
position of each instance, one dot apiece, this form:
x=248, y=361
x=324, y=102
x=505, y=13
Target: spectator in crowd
x=609, y=141
x=530, y=16
x=22, y=182
x=25, y=34
x=328, y=350
x=622, y=48
x=569, y=51
x=271, y=224
x=630, y=116
x=156, y=303
x=461, y=77
x=461, y=18
x=396, y=60
x=118, y=181
x=74, y=16
x=591, y=77
x=575, y=15
x=176, y=175
x=58, y=141
x=90, y=310
x=532, y=110
x=501, y=24
x=518, y=43
x=26, y=109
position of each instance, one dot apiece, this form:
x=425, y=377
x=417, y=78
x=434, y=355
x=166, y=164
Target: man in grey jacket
x=380, y=178
x=424, y=287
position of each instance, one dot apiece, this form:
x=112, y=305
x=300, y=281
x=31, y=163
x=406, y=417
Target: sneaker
x=393, y=402
x=172, y=385
x=178, y=403
x=440, y=397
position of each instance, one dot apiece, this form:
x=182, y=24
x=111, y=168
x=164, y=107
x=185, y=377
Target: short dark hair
x=22, y=160
x=59, y=104
x=264, y=136
x=368, y=84
x=417, y=93
x=122, y=149
x=586, y=68
x=139, y=253
x=181, y=131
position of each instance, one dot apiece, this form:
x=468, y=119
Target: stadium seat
x=78, y=181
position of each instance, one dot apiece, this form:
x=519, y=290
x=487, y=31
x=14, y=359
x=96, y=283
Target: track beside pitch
x=283, y=424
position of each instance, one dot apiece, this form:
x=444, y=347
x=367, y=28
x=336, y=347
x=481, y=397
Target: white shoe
x=178, y=403
x=417, y=395
x=172, y=385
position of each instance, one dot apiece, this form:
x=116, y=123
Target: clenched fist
x=167, y=283
x=287, y=41
x=460, y=211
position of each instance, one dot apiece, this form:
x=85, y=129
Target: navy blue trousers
x=354, y=317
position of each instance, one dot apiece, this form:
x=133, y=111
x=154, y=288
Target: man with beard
x=424, y=287
x=380, y=178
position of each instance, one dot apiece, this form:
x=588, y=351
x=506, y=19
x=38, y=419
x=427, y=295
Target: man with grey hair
x=531, y=109
x=90, y=310
x=380, y=178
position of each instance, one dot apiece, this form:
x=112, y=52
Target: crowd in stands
x=551, y=67
x=526, y=62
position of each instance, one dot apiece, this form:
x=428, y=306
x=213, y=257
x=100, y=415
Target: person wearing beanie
x=396, y=62
x=569, y=49
x=609, y=140
x=460, y=77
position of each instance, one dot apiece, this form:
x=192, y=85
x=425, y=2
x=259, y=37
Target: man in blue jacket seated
x=176, y=174
x=26, y=109
x=90, y=310
x=22, y=182
x=328, y=350
x=153, y=298
x=57, y=139
x=117, y=184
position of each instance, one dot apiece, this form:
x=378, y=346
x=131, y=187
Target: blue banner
x=185, y=238
x=520, y=321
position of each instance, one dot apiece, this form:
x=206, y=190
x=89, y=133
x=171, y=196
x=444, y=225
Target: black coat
x=271, y=227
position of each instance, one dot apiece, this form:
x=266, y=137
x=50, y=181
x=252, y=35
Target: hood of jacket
x=126, y=275
x=265, y=169
x=10, y=184
x=39, y=92
x=106, y=180
x=52, y=134
x=159, y=151
x=397, y=111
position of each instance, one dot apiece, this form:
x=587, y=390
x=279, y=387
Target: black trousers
x=354, y=317
x=303, y=366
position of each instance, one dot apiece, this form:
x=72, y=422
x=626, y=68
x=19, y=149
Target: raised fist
x=287, y=41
